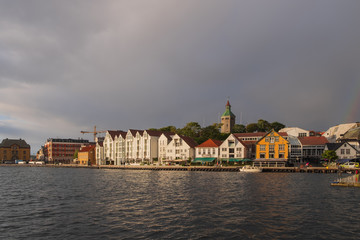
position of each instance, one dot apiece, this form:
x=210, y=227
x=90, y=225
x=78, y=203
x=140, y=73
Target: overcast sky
x=68, y=65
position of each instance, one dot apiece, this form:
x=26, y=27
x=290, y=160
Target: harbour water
x=65, y=203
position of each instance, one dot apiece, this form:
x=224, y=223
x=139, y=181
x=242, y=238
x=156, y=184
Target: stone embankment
x=194, y=168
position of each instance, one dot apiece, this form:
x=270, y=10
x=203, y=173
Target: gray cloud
x=68, y=65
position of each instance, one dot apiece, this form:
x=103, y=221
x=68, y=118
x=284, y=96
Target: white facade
x=296, y=132
x=334, y=133
x=99, y=152
x=164, y=140
x=344, y=150
x=232, y=147
x=178, y=148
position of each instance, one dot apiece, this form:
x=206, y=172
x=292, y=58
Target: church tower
x=227, y=119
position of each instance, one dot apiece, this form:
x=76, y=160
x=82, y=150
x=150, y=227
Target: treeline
x=200, y=135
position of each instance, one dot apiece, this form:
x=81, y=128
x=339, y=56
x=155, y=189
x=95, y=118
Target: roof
x=333, y=146
x=353, y=134
x=114, y=133
x=189, y=141
x=313, y=140
x=168, y=135
x=87, y=148
x=6, y=143
x=210, y=143
x=254, y=134
x=228, y=110
x=133, y=132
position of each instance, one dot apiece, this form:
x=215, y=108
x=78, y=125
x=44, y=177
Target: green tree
x=330, y=155
x=251, y=127
x=263, y=125
x=211, y=131
x=168, y=129
x=277, y=126
x=239, y=128
x=192, y=129
x=76, y=154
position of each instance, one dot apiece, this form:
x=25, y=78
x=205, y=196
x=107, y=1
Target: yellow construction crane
x=94, y=132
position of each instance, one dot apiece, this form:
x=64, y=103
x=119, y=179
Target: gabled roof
x=313, y=140
x=189, y=141
x=168, y=135
x=114, y=133
x=87, y=148
x=333, y=146
x=255, y=134
x=6, y=143
x=282, y=134
x=133, y=132
x=210, y=143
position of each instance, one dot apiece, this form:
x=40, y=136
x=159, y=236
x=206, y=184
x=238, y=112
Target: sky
x=68, y=65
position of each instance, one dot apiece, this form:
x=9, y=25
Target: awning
x=203, y=160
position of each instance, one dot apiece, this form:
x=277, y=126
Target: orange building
x=273, y=148
x=86, y=155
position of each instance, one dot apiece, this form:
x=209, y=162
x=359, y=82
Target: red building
x=57, y=150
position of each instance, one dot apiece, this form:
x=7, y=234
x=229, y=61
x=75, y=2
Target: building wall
x=179, y=149
x=272, y=146
x=14, y=153
x=232, y=148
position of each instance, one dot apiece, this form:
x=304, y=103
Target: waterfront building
x=180, y=148
x=272, y=149
x=227, y=119
x=86, y=155
x=344, y=150
x=110, y=147
x=14, y=149
x=333, y=134
x=208, y=151
x=312, y=147
x=250, y=140
x=163, y=142
x=150, y=146
x=295, y=149
x=40, y=154
x=296, y=132
x=59, y=150
x=234, y=149
x=100, y=159
x=120, y=147
x=131, y=150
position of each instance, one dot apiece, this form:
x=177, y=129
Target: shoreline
x=190, y=168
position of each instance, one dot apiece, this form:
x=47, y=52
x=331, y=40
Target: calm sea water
x=60, y=203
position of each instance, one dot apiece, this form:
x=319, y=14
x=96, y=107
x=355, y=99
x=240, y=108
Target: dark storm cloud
x=68, y=65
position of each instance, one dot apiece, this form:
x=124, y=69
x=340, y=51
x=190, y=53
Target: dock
x=195, y=168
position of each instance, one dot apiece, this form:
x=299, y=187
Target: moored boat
x=251, y=169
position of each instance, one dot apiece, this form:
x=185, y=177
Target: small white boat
x=250, y=169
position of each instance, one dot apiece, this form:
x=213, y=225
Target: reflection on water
x=58, y=203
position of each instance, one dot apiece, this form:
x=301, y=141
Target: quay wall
x=194, y=168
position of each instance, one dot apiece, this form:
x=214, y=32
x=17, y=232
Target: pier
x=195, y=168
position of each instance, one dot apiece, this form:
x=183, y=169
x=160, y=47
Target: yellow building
x=273, y=146
x=14, y=149
x=86, y=155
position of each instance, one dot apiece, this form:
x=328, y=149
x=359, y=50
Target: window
x=213, y=151
x=281, y=147
x=342, y=151
x=271, y=148
x=267, y=139
x=223, y=149
x=347, y=151
x=276, y=139
x=262, y=155
x=231, y=150
x=262, y=147
x=272, y=139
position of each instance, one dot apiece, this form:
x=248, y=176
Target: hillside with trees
x=201, y=134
